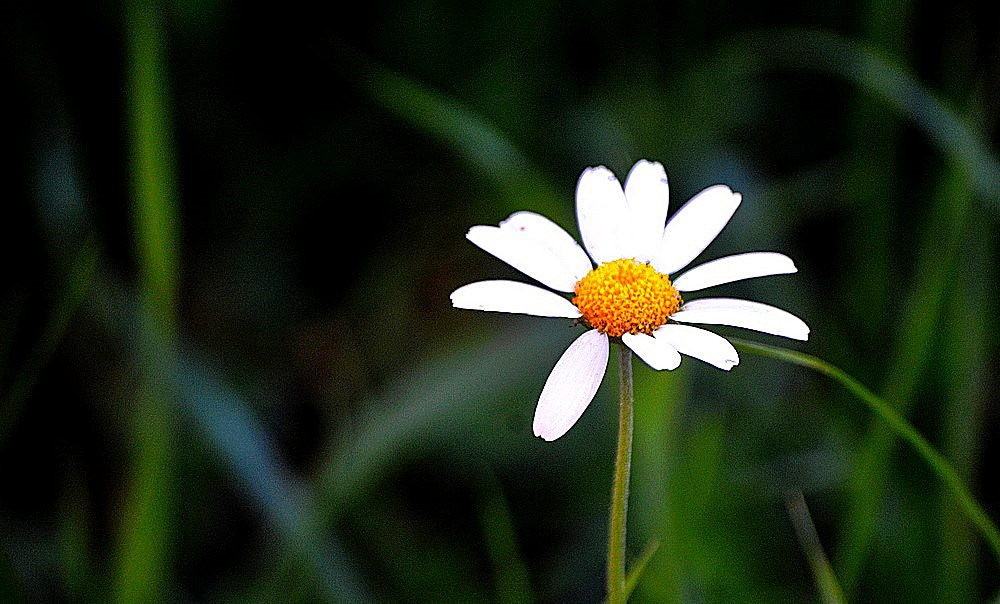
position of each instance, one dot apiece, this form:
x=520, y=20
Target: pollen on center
x=626, y=296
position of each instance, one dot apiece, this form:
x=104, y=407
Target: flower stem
x=619, y=491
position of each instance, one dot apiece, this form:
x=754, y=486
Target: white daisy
x=629, y=295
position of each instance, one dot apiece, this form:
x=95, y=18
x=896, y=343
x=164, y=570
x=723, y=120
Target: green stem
x=805, y=530
x=145, y=552
x=619, y=491
x=898, y=424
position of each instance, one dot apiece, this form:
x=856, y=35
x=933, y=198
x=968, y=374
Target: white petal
x=601, y=211
x=647, y=194
x=694, y=226
x=734, y=268
x=700, y=344
x=571, y=385
x=514, y=297
x=526, y=254
x=743, y=313
x=658, y=354
x=553, y=238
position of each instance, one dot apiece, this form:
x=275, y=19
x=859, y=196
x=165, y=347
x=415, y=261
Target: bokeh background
x=230, y=371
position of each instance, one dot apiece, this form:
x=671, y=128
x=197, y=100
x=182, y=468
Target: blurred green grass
x=230, y=371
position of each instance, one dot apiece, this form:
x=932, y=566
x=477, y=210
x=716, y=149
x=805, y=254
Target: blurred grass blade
x=145, y=548
x=244, y=446
x=826, y=580
x=937, y=256
x=155, y=213
x=970, y=156
x=658, y=460
x=434, y=404
x=902, y=428
x=434, y=401
x=876, y=136
x=73, y=292
x=830, y=53
x=512, y=579
x=639, y=566
x=477, y=142
x=967, y=368
x=223, y=420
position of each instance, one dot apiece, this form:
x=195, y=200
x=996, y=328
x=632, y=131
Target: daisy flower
x=626, y=293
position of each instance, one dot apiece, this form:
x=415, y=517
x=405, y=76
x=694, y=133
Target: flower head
x=627, y=292
x=626, y=296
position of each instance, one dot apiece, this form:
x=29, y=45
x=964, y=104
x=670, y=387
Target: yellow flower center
x=626, y=296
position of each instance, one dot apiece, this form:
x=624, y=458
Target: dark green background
x=270, y=398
